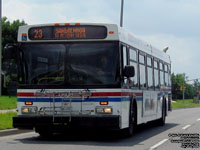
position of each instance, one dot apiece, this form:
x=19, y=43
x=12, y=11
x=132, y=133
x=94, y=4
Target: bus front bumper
x=30, y=122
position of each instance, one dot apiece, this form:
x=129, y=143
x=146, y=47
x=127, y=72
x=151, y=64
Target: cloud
x=184, y=52
x=161, y=22
x=177, y=17
x=37, y=12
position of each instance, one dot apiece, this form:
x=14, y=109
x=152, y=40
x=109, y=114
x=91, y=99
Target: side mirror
x=10, y=51
x=129, y=71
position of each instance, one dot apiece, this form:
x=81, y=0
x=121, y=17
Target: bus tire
x=161, y=121
x=44, y=133
x=132, y=120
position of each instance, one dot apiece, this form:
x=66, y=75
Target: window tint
x=149, y=61
x=150, y=77
x=141, y=59
x=142, y=76
x=133, y=54
x=166, y=75
x=125, y=56
x=156, y=78
x=161, y=78
x=135, y=78
x=161, y=66
x=169, y=75
x=156, y=64
x=169, y=79
x=166, y=68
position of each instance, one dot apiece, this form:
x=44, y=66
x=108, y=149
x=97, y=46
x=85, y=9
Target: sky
x=172, y=23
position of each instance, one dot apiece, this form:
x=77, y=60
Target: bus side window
x=166, y=75
x=149, y=72
x=169, y=75
x=156, y=74
x=133, y=62
x=142, y=71
x=125, y=60
x=161, y=74
x=125, y=54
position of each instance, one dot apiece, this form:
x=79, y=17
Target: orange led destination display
x=67, y=32
x=70, y=33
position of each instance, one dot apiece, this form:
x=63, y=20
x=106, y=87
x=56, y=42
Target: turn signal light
x=28, y=103
x=104, y=103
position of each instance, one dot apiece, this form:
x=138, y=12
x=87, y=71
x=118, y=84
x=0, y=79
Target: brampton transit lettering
x=67, y=32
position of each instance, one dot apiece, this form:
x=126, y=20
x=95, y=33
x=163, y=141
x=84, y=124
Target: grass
x=187, y=103
x=6, y=120
x=7, y=102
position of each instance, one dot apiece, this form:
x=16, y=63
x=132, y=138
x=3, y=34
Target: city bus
x=87, y=75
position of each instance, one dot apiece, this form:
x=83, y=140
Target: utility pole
x=0, y=47
x=183, y=88
x=122, y=10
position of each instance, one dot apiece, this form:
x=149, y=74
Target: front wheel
x=132, y=120
x=44, y=132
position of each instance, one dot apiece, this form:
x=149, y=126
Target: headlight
x=104, y=110
x=29, y=110
x=108, y=110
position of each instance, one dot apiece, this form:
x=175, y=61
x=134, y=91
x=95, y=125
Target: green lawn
x=187, y=103
x=6, y=120
x=7, y=102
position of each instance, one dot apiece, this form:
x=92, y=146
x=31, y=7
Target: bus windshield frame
x=69, y=65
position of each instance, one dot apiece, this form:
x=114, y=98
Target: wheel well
x=135, y=107
x=165, y=105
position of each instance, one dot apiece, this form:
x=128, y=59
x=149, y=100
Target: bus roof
x=86, y=32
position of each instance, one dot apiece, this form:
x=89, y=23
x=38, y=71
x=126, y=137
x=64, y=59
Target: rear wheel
x=161, y=121
x=132, y=120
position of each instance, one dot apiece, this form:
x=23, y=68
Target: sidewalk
x=9, y=110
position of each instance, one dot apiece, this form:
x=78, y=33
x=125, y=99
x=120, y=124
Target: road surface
x=147, y=137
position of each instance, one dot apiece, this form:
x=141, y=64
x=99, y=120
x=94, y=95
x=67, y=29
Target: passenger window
x=166, y=76
x=134, y=79
x=142, y=71
x=149, y=72
x=156, y=75
x=125, y=61
x=141, y=59
x=161, y=74
x=133, y=54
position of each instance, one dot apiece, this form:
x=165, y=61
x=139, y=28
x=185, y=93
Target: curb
x=8, y=111
x=13, y=132
x=185, y=107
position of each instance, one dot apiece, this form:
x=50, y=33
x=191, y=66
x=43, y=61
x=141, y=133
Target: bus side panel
x=125, y=107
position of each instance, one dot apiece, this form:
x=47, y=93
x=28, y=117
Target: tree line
x=9, y=68
x=9, y=35
x=181, y=82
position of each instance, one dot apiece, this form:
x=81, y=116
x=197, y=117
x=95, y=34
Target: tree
x=177, y=87
x=10, y=30
x=9, y=67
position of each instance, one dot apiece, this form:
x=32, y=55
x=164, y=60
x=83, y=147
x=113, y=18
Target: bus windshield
x=67, y=64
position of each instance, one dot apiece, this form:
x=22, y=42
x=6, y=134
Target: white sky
x=173, y=23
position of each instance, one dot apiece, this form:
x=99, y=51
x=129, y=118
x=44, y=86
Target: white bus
x=75, y=75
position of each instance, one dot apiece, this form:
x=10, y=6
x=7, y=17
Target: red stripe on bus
x=112, y=94
x=93, y=94
x=138, y=94
x=25, y=94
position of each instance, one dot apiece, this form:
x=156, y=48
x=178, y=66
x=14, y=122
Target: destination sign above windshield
x=67, y=32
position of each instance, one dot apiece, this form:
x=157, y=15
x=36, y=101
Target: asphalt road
x=179, y=123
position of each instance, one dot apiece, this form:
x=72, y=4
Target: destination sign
x=67, y=32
